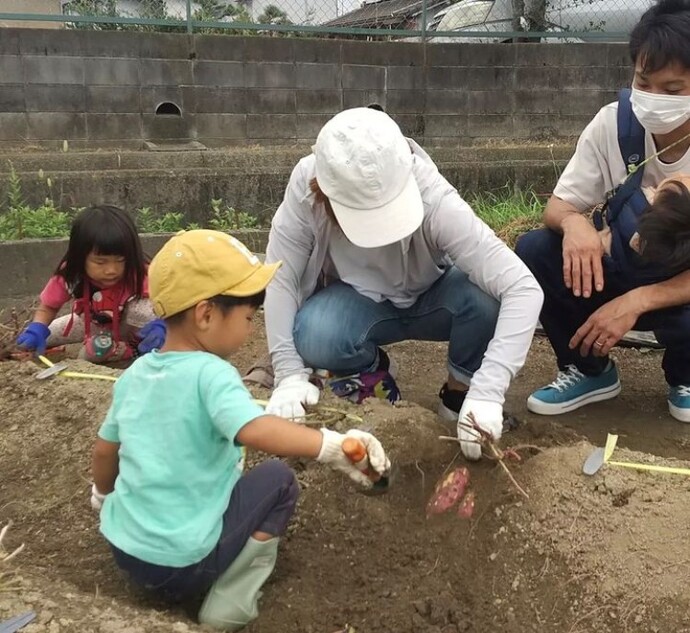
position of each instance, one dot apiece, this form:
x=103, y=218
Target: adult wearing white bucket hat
x=377, y=247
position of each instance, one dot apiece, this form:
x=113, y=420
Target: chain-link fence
x=431, y=20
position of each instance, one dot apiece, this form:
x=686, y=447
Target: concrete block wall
x=26, y=265
x=103, y=88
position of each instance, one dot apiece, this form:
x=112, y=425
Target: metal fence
x=427, y=20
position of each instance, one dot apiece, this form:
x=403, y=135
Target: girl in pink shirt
x=104, y=275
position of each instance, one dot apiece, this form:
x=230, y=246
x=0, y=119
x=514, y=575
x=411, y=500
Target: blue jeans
x=263, y=500
x=563, y=313
x=340, y=330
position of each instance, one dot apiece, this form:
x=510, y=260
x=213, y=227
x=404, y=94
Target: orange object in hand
x=356, y=452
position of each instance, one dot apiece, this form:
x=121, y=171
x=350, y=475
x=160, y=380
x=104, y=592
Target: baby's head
x=664, y=227
x=207, y=286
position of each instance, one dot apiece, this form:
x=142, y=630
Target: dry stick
x=499, y=458
x=348, y=416
x=12, y=321
x=475, y=524
x=452, y=461
x=421, y=472
x=577, y=516
x=526, y=447
x=592, y=613
x=6, y=557
x=7, y=581
x=433, y=569
x=448, y=438
x=316, y=410
x=545, y=568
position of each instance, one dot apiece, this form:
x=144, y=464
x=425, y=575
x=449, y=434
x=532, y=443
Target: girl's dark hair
x=104, y=230
x=321, y=198
x=225, y=303
x=662, y=36
x=664, y=229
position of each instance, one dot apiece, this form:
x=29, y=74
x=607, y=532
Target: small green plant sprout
x=226, y=218
x=21, y=221
x=150, y=222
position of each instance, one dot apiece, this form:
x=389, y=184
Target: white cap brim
x=394, y=221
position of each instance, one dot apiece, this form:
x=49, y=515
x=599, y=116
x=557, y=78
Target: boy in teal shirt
x=180, y=516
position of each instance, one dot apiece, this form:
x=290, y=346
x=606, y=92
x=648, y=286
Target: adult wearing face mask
x=377, y=247
x=590, y=262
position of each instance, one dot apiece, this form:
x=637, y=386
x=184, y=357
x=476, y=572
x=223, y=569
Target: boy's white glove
x=290, y=396
x=97, y=498
x=332, y=454
x=488, y=416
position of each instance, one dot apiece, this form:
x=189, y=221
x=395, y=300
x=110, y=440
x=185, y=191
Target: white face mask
x=660, y=114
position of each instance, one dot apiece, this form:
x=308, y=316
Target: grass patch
x=510, y=213
x=20, y=220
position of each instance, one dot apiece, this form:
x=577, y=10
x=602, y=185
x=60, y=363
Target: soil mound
x=606, y=553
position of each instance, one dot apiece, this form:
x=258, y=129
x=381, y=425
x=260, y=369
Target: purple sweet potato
x=466, y=507
x=448, y=491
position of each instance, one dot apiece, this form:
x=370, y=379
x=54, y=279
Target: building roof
x=385, y=13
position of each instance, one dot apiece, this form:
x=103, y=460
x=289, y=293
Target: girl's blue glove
x=152, y=336
x=34, y=337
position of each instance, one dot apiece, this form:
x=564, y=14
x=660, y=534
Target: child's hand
x=34, y=337
x=97, y=499
x=152, y=336
x=333, y=455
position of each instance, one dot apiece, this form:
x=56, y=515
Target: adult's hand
x=290, y=396
x=608, y=325
x=583, y=252
x=487, y=416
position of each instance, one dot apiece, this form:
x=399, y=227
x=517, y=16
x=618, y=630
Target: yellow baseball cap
x=196, y=265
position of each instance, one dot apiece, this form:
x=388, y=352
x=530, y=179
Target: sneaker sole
x=680, y=414
x=448, y=418
x=544, y=408
x=393, y=368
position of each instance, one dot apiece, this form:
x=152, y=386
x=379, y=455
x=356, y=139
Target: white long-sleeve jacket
x=450, y=233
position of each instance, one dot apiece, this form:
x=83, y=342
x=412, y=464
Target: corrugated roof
x=386, y=13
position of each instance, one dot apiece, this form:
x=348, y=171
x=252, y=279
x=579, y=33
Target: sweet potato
x=466, y=507
x=448, y=491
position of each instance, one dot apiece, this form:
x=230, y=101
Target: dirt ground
x=584, y=554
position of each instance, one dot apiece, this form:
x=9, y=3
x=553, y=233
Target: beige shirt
x=597, y=167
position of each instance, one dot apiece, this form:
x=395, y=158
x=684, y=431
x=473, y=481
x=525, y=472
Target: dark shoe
x=450, y=405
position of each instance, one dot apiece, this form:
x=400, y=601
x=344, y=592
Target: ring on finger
x=599, y=344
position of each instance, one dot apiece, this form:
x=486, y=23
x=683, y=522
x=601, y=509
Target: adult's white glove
x=97, y=499
x=332, y=454
x=290, y=396
x=488, y=416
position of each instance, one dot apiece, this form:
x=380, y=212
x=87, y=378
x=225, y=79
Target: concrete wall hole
x=168, y=108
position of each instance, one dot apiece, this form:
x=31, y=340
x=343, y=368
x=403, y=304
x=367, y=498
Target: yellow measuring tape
x=611, y=442
x=75, y=374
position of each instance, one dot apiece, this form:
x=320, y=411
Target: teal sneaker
x=679, y=402
x=572, y=390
